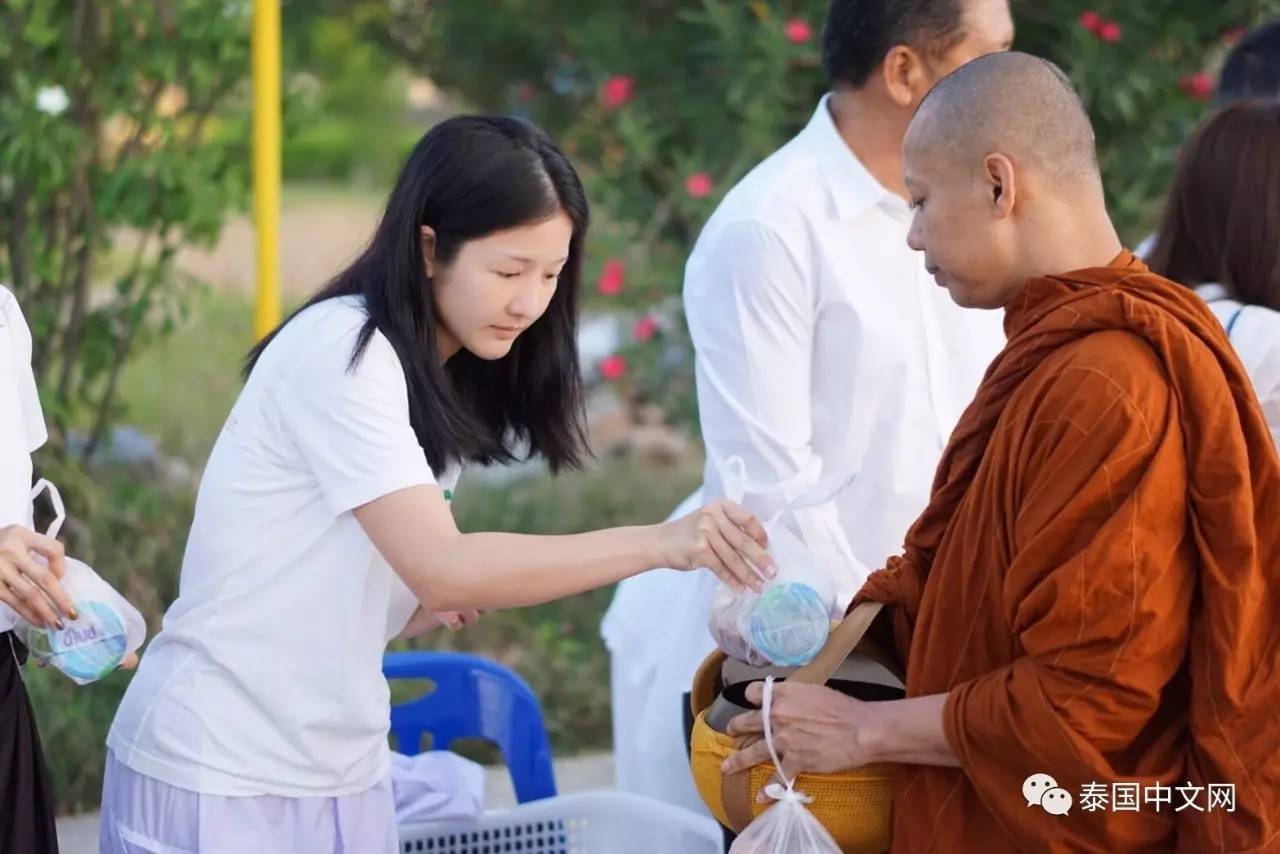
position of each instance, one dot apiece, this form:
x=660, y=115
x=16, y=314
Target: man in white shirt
x=826, y=354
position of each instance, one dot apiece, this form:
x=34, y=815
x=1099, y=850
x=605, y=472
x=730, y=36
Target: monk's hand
x=815, y=729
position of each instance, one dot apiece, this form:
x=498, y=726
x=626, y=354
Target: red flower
x=798, y=31
x=616, y=91
x=1233, y=35
x=612, y=277
x=644, y=329
x=524, y=91
x=1091, y=21
x=1110, y=32
x=698, y=185
x=1198, y=86
x=613, y=367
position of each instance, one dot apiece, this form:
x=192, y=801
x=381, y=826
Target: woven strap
x=735, y=789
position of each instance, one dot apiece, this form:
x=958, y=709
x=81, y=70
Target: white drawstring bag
x=787, y=827
x=106, y=628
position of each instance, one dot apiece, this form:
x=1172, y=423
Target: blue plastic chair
x=475, y=698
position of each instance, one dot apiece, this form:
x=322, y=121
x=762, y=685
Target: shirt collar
x=852, y=188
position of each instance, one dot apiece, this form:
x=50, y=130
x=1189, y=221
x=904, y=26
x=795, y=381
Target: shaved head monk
x=1090, y=604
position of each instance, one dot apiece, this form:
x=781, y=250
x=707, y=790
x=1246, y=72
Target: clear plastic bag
x=787, y=827
x=791, y=618
x=788, y=621
x=106, y=628
x=730, y=624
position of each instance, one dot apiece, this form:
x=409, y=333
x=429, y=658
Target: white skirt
x=142, y=815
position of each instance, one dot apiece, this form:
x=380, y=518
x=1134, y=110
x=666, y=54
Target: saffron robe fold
x=1096, y=584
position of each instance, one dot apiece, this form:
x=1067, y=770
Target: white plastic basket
x=584, y=823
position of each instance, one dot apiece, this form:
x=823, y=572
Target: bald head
x=1000, y=164
x=1014, y=104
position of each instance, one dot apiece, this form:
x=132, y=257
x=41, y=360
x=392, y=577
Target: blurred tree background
x=667, y=103
x=123, y=180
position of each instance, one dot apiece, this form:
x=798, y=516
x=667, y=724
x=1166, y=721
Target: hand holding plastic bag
x=787, y=827
x=789, y=620
x=730, y=623
x=107, y=629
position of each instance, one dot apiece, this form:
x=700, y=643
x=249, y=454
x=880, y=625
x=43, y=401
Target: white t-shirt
x=1254, y=331
x=266, y=678
x=22, y=427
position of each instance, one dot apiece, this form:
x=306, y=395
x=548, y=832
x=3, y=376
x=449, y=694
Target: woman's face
x=497, y=286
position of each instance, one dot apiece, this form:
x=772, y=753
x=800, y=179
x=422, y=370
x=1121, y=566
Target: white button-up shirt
x=826, y=355
x=825, y=350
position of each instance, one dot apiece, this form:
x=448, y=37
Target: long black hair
x=469, y=177
x=1222, y=218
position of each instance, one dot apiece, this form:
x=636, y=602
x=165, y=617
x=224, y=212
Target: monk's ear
x=906, y=77
x=1001, y=185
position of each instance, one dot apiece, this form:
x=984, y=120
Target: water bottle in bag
x=106, y=628
x=791, y=619
x=787, y=623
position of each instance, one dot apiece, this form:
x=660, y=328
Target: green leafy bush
x=105, y=116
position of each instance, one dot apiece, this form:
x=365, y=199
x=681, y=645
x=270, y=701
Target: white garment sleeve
x=18, y=374
x=751, y=309
x=22, y=427
x=352, y=427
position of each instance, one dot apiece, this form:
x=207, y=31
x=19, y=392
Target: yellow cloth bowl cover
x=853, y=805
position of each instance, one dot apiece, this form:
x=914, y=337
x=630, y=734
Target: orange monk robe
x=1096, y=583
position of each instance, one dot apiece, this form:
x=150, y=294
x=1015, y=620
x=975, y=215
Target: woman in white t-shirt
x=1221, y=235
x=258, y=719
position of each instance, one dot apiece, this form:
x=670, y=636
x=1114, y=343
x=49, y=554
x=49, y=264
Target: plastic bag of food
x=106, y=629
x=789, y=620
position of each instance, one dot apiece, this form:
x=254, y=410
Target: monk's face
x=968, y=240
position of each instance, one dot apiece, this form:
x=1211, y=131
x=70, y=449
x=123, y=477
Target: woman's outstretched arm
x=448, y=570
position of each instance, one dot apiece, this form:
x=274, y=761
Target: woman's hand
x=456, y=621
x=28, y=586
x=424, y=621
x=725, y=538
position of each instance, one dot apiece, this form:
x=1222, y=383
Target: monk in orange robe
x=1091, y=601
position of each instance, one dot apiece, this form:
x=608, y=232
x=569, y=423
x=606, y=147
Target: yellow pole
x=266, y=162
